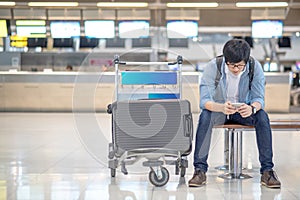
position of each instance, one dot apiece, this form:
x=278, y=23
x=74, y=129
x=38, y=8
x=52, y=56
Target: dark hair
x=236, y=50
x=69, y=67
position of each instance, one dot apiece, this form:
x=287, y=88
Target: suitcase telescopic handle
x=188, y=125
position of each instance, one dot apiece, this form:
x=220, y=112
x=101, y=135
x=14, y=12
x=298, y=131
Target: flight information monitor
x=133, y=29
x=99, y=28
x=64, y=29
x=31, y=28
x=267, y=28
x=3, y=28
x=182, y=29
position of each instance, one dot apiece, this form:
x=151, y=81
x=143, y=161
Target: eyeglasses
x=232, y=66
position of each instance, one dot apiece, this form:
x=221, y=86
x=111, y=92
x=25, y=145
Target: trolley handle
x=117, y=61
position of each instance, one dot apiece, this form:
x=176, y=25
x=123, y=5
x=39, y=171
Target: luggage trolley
x=150, y=120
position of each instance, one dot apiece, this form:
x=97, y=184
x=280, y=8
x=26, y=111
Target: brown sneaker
x=270, y=179
x=199, y=179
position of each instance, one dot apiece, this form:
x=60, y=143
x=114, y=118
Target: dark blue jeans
x=208, y=119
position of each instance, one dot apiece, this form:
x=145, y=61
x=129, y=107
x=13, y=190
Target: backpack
x=219, y=60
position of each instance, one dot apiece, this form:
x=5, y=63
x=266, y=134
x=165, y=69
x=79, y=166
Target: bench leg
x=226, y=152
x=235, y=156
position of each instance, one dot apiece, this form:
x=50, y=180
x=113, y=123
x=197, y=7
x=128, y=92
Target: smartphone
x=237, y=105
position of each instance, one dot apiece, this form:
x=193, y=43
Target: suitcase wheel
x=159, y=180
x=182, y=168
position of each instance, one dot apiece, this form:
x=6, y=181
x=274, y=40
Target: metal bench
x=233, y=145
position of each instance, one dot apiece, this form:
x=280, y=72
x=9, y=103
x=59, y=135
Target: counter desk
x=84, y=91
x=70, y=91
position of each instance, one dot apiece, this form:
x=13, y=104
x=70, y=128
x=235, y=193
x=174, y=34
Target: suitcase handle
x=187, y=125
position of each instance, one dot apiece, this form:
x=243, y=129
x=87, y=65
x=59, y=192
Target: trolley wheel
x=112, y=172
x=182, y=171
x=159, y=181
x=176, y=169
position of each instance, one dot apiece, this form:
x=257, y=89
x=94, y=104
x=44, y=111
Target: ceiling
x=225, y=15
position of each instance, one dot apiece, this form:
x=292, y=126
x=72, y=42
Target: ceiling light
x=261, y=4
x=123, y=4
x=7, y=3
x=193, y=5
x=57, y=4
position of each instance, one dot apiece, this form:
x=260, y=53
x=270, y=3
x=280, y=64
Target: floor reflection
x=41, y=158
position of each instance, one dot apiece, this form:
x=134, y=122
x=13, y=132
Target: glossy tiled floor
x=61, y=156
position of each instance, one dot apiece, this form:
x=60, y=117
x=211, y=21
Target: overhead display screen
x=31, y=28
x=182, y=29
x=99, y=28
x=3, y=28
x=134, y=29
x=64, y=29
x=267, y=28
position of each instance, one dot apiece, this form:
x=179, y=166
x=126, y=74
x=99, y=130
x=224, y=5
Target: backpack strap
x=251, y=70
x=219, y=60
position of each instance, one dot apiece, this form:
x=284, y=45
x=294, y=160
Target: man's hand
x=245, y=110
x=229, y=108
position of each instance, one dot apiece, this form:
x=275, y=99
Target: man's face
x=236, y=68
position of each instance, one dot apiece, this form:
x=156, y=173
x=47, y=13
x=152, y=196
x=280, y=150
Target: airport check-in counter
x=83, y=91
x=277, y=92
x=55, y=91
x=69, y=91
